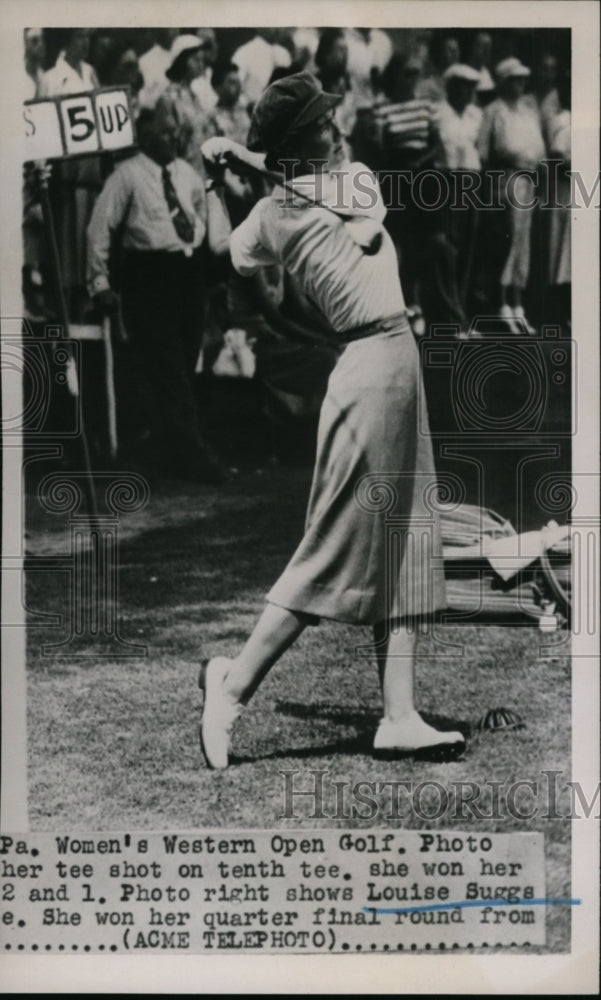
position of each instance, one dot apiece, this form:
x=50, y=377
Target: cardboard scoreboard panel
x=78, y=124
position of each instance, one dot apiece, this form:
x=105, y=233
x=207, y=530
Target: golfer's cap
x=461, y=71
x=287, y=105
x=509, y=68
x=183, y=44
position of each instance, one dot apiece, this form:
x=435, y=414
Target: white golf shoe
x=508, y=316
x=218, y=714
x=414, y=737
x=525, y=324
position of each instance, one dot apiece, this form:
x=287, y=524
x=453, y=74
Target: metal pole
x=109, y=379
x=42, y=174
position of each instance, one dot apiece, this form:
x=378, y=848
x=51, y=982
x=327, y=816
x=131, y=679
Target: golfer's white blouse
x=350, y=287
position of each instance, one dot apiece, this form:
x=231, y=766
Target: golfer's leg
x=395, y=653
x=275, y=631
x=402, y=727
x=228, y=684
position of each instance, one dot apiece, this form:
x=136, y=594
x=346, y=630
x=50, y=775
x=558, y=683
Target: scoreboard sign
x=78, y=124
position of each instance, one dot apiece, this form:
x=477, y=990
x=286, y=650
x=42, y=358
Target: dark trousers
x=163, y=302
x=423, y=228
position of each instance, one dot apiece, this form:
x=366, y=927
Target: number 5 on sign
x=78, y=124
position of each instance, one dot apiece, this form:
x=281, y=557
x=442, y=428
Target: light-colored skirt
x=517, y=264
x=371, y=549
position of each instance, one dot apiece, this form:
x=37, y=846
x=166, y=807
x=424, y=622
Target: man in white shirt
x=458, y=119
x=256, y=61
x=159, y=207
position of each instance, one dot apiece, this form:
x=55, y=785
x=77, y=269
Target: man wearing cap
x=511, y=139
x=374, y=455
x=458, y=119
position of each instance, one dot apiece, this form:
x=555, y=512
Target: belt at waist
x=397, y=321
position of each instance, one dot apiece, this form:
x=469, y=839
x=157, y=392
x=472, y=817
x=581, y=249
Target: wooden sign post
x=62, y=128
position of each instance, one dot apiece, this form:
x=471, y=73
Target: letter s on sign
x=30, y=124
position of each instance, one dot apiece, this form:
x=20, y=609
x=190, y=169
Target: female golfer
x=374, y=464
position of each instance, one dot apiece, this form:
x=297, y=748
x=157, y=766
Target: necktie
x=183, y=227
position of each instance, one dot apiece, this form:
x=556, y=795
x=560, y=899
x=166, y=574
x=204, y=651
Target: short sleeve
x=247, y=245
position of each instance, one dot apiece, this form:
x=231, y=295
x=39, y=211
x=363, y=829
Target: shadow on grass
x=360, y=744
x=359, y=718
x=353, y=745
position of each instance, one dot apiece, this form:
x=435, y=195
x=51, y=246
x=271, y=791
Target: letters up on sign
x=78, y=124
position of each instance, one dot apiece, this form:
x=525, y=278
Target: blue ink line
x=470, y=903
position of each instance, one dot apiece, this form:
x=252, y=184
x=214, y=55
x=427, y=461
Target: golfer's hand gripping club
x=220, y=152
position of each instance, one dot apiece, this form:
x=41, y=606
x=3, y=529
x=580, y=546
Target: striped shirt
x=406, y=127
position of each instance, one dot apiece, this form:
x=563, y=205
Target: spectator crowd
x=142, y=234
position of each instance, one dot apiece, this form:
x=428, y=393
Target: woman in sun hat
x=180, y=100
x=511, y=138
x=374, y=455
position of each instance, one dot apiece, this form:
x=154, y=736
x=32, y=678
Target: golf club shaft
x=240, y=166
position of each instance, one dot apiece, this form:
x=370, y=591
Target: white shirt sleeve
x=109, y=211
x=247, y=246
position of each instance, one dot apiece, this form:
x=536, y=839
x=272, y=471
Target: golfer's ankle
x=234, y=686
x=398, y=715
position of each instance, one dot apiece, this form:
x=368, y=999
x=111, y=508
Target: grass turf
x=113, y=741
